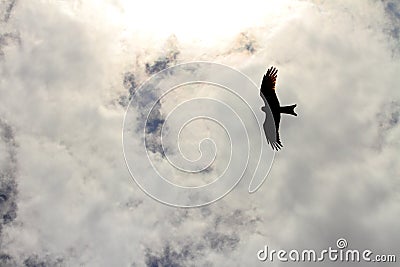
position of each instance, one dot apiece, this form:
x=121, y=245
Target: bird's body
x=273, y=108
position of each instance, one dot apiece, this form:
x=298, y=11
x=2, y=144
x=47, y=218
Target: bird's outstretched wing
x=269, y=80
x=271, y=128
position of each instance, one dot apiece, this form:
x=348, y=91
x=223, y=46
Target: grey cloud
x=222, y=242
x=36, y=261
x=387, y=119
x=392, y=9
x=129, y=83
x=169, y=257
x=220, y=235
x=153, y=122
x=6, y=8
x=169, y=58
x=158, y=65
x=8, y=38
x=389, y=116
x=7, y=35
x=8, y=173
x=75, y=197
x=7, y=261
x=8, y=184
x=246, y=42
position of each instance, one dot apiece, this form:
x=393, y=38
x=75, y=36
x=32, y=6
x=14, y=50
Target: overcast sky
x=69, y=68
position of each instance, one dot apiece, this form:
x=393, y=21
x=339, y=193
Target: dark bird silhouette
x=273, y=108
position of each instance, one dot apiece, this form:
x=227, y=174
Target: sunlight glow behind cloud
x=202, y=21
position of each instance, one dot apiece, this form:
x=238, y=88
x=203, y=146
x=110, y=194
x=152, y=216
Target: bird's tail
x=288, y=110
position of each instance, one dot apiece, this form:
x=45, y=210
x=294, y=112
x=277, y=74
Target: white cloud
x=337, y=174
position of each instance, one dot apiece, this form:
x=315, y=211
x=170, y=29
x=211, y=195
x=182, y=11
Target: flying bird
x=273, y=108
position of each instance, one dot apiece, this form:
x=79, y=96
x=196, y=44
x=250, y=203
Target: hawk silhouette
x=273, y=108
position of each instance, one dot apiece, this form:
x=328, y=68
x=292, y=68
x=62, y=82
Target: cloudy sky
x=68, y=70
